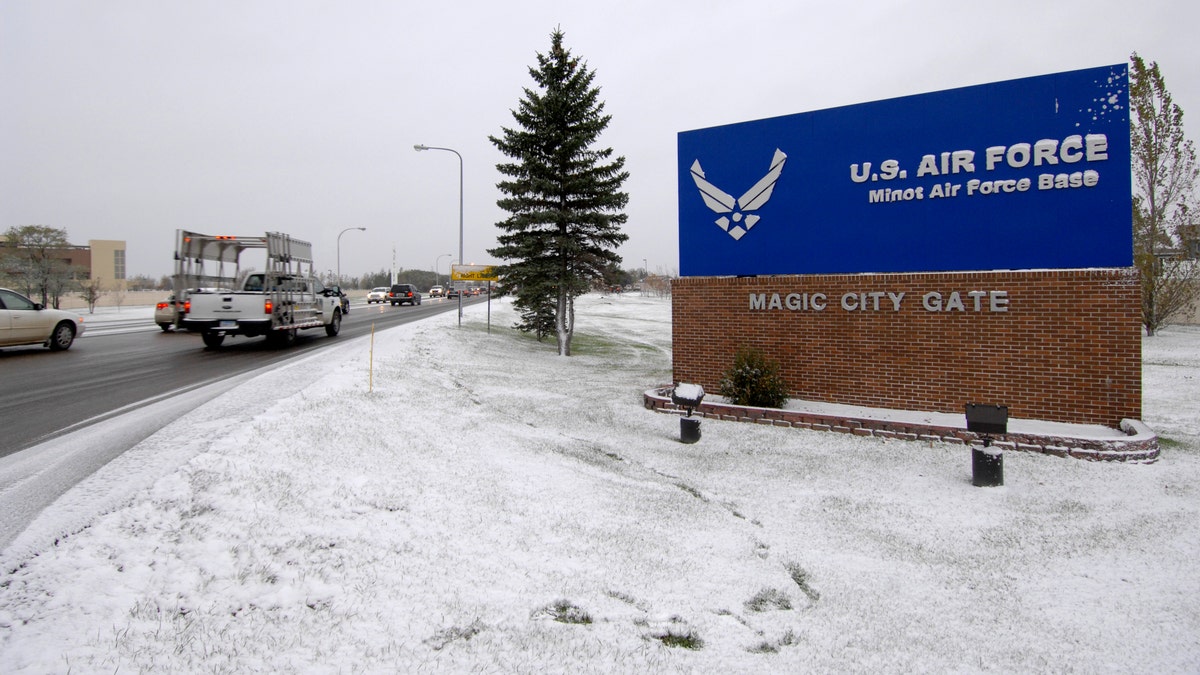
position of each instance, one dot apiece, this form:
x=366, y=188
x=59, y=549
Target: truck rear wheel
x=335, y=325
x=212, y=339
x=281, y=338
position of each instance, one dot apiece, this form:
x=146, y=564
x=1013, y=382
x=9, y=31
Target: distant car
x=437, y=292
x=402, y=293
x=337, y=290
x=25, y=322
x=453, y=293
x=167, y=312
x=378, y=294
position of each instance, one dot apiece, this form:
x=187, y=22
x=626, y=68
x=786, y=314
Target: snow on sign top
x=1032, y=173
x=691, y=392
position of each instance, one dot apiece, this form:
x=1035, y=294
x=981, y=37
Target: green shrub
x=754, y=380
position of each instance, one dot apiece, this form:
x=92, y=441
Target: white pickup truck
x=276, y=306
x=278, y=303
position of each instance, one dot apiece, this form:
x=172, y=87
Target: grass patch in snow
x=680, y=637
x=801, y=577
x=563, y=611
x=691, y=491
x=593, y=345
x=788, y=639
x=582, y=343
x=444, y=637
x=769, y=599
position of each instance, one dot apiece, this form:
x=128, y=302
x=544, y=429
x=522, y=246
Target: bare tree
x=90, y=292
x=1164, y=176
x=32, y=262
x=119, y=291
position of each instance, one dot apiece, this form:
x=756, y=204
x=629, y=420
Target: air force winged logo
x=741, y=220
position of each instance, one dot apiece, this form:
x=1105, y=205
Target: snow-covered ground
x=479, y=504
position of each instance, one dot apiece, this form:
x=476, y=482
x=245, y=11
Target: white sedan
x=166, y=313
x=378, y=294
x=25, y=322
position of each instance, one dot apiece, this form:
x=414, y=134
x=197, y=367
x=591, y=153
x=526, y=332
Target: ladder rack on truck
x=286, y=260
x=196, y=254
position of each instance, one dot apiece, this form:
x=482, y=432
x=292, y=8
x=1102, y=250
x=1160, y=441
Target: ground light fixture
x=688, y=397
x=987, y=462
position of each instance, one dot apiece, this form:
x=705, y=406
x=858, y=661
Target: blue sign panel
x=1024, y=174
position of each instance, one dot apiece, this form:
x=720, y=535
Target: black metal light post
x=987, y=463
x=688, y=397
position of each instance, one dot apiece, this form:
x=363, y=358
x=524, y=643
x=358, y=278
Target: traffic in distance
x=213, y=297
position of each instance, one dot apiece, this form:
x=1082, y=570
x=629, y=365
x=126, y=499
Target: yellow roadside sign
x=473, y=273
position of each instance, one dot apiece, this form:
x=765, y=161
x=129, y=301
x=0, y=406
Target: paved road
x=117, y=366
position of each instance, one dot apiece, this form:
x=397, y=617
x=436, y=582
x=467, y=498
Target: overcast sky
x=128, y=119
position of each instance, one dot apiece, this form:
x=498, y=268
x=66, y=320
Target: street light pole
x=339, y=251
x=419, y=148
x=437, y=263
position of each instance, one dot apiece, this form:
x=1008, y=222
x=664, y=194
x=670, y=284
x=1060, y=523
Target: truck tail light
x=268, y=306
x=187, y=306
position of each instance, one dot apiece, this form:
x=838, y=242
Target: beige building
x=1192, y=318
x=104, y=259
x=107, y=263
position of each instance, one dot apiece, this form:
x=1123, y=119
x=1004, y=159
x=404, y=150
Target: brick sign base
x=1055, y=345
x=1139, y=443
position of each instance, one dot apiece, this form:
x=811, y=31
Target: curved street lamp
x=339, y=251
x=437, y=263
x=418, y=147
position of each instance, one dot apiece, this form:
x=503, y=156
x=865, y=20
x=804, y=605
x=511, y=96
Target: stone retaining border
x=1139, y=445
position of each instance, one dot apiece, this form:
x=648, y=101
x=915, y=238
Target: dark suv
x=402, y=293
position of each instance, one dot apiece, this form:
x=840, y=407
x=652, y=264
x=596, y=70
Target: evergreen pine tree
x=563, y=195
